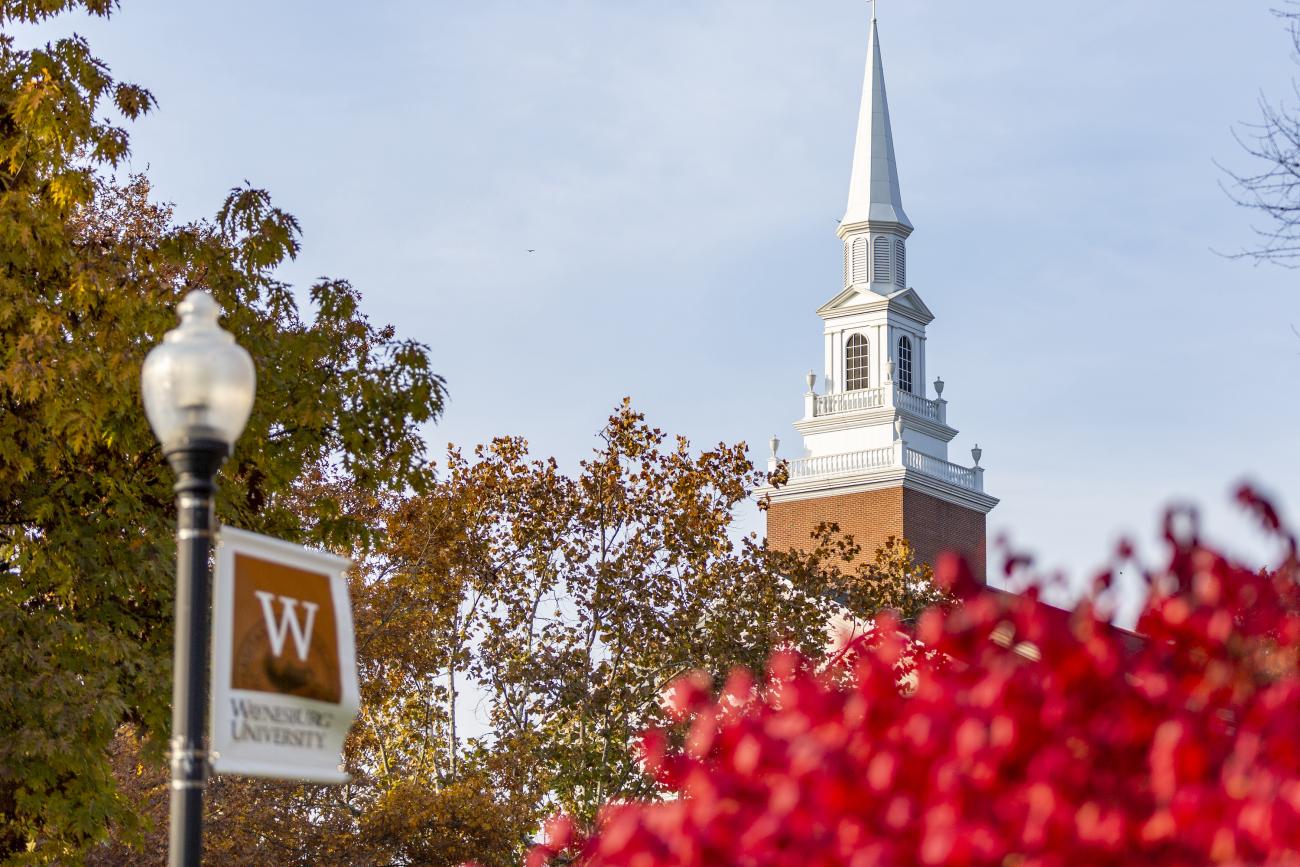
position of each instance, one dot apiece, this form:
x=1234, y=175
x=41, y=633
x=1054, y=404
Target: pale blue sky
x=679, y=166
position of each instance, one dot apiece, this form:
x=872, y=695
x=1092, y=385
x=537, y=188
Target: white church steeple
x=875, y=444
x=875, y=226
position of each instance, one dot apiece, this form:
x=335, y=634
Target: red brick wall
x=931, y=525
x=870, y=517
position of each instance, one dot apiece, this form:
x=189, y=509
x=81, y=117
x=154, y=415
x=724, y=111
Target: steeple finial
x=874, y=193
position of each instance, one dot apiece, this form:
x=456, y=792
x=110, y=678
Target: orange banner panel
x=285, y=632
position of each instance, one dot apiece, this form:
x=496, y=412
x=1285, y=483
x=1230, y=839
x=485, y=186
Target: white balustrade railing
x=955, y=474
x=917, y=405
x=874, y=398
x=848, y=401
x=846, y=462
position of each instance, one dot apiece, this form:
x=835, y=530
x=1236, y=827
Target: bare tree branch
x=1274, y=189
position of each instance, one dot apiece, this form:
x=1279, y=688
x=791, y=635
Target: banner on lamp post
x=284, y=671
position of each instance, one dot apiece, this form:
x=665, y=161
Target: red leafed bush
x=1032, y=737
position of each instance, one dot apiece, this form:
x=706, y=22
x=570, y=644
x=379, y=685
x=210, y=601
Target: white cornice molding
x=834, y=486
x=950, y=493
x=871, y=227
x=879, y=480
x=874, y=417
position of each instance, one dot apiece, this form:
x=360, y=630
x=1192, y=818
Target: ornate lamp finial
x=198, y=384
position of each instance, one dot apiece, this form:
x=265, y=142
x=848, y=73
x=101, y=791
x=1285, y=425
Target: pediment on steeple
x=908, y=300
x=856, y=299
x=850, y=297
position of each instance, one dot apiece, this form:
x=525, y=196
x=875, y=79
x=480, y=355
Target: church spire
x=874, y=195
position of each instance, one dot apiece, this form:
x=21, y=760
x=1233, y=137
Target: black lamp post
x=198, y=387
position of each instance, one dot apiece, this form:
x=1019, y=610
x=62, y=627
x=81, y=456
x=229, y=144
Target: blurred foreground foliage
x=1001, y=731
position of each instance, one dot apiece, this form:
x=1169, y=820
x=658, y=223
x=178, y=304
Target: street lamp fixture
x=198, y=388
x=199, y=383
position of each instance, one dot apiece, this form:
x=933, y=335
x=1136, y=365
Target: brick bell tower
x=875, y=457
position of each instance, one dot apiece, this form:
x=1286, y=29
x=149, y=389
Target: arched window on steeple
x=900, y=263
x=881, y=250
x=905, y=364
x=859, y=271
x=857, y=363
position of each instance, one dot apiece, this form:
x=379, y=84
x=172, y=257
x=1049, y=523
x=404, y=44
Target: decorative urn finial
x=775, y=444
x=812, y=382
x=977, y=453
x=938, y=386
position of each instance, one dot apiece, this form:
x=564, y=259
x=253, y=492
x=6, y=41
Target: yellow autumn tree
x=91, y=270
x=516, y=629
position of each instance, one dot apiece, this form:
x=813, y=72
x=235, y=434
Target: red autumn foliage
x=1031, y=737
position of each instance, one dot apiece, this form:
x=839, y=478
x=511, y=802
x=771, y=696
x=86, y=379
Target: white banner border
x=232, y=541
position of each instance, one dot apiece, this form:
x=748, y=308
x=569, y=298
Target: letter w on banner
x=288, y=620
x=284, y=671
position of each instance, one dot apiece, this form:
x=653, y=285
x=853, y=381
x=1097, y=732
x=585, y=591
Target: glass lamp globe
x=198, y=384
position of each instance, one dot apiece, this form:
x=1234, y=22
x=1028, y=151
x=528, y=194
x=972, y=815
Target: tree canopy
x=516, y=627
x=91, y=268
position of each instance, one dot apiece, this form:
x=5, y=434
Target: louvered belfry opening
x=882, y=253
x=878, y=259
x=859, y=261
